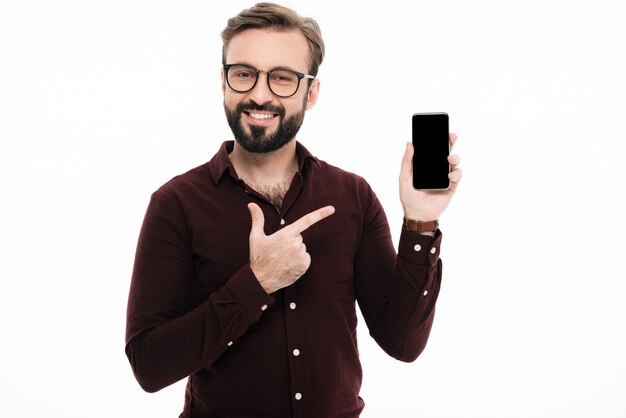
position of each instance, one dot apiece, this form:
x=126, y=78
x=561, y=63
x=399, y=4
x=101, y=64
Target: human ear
x=312, y=94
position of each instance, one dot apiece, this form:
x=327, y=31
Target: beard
x=258, y=140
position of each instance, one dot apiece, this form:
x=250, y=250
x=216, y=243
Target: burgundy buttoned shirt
x=196, y=309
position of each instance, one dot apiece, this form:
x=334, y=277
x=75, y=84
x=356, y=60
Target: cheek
x=296, y=105
x=231, y=101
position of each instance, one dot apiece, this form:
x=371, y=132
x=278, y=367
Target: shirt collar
x=221, y=163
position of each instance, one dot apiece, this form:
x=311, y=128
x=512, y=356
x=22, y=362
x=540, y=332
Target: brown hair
x=274, y=16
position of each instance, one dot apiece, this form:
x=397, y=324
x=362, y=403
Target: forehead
x=268, y=48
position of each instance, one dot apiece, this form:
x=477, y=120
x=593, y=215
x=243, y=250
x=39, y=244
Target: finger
x=453, y=138
x=258, y=220
x=406, y=169
x=309, y=219
x=307, y=262
x=455, y=176
x=454, y=160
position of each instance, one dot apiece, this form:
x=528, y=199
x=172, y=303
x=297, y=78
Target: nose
x=261, y=93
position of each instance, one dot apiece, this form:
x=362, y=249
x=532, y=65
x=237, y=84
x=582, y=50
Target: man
x=248, y=267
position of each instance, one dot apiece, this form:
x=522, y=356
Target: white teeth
x=261, y=115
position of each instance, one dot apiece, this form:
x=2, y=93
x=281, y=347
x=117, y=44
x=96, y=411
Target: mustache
x=246, y=107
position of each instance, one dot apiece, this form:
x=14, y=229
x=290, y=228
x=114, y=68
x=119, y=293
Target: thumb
x=406, y=170
x=258, y=220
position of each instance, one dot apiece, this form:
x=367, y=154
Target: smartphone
x=431, y=142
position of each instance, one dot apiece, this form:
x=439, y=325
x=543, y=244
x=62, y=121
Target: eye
x=241, y=73
x=283, y=77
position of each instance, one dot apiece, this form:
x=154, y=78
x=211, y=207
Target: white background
x=101, y=102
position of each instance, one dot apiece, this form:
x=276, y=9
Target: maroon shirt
x=196, y=309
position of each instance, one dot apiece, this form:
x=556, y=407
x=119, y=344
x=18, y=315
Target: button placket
x=295, y=360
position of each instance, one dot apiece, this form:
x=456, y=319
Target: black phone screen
x=431, y=142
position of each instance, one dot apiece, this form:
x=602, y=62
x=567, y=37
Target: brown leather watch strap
x=419, y=226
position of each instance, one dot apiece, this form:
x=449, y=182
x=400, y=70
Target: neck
x=268, y=168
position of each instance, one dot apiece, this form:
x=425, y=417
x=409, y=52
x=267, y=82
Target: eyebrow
x=280, y=67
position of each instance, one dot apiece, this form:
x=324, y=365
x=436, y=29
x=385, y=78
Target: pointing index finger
x=309, y=220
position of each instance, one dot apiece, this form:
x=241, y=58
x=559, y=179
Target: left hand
x=426, y=205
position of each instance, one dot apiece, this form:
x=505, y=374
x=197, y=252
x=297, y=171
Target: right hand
x=278, y=260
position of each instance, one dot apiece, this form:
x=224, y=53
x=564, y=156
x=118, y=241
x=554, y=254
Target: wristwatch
x=419, y=226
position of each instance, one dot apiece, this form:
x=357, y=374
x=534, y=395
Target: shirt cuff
x=246, y=290
x=419, y=249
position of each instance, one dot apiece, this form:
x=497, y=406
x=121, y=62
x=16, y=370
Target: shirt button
x=264, y=307
x=425, y=292
x=417, y=247
x=298, y=396
x=296, y=352
x=230, y=343
x=433, y=250
x=282, y=222
x=292, y=305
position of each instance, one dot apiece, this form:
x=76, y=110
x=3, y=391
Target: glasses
x=283, y=83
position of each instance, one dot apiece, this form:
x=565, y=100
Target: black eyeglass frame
x=268, y=73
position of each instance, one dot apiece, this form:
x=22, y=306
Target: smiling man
x=248, y=268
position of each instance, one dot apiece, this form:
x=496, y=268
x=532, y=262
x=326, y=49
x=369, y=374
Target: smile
x=261, y=116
